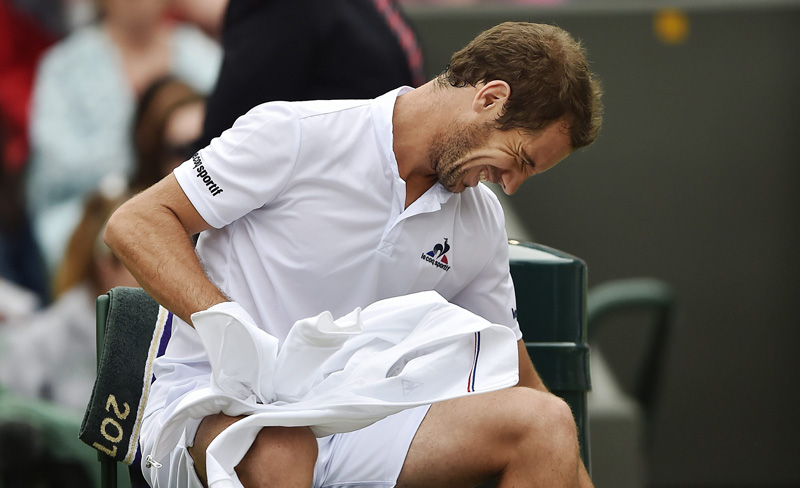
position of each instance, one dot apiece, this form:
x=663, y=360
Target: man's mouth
x=485, y=175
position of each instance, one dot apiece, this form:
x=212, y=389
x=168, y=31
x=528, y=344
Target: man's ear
x=491, y=97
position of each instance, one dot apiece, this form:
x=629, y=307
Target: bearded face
x=449, y=150
x=462, y=155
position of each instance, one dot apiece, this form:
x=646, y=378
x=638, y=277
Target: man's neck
x=415, y=117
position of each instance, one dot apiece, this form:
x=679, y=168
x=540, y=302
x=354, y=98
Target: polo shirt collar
x=431, y=200
x=382, y=111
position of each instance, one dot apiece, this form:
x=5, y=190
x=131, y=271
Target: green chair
x=551, y=302
x=615, y=298
x=127, y=336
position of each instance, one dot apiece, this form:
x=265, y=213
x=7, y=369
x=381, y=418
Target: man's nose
x=511, y=181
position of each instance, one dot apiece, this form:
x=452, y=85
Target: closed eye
x=527, y=162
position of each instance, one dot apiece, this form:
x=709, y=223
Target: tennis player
x=304, y=207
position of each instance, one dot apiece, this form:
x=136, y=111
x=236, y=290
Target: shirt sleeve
x=246, y=167
x=491, y=293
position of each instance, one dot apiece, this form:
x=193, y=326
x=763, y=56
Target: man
x=331, y=205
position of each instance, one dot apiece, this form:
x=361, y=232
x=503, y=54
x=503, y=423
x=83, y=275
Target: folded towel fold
x=113, y=417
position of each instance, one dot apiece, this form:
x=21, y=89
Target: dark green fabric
x=111, y=421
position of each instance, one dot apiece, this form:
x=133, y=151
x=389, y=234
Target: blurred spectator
x=310, y=49
x=50, y=354
x=15, y=301
x=24, y=36
x=444, y=2
x=22, y=41
x=23, y=284
x=456, y=3
x=531, y=2
x=50, y=15
x=206, y=14
x=168, y=121
x=83, y=103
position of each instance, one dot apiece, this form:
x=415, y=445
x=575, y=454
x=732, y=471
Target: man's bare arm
x=151, y=235
x=527, y=373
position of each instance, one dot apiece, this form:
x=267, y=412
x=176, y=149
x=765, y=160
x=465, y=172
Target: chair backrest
x=551, y=309
x=129, y=333
x=614, y=298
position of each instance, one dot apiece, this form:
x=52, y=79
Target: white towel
x=337, y=376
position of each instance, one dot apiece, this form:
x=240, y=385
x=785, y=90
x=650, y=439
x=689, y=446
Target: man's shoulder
x=380, y=106
x=311, y=108
x=482, y=196
x=275, y=114
x=481, y=203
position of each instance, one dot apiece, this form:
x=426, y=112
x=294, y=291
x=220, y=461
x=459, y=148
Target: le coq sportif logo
x=438, y=255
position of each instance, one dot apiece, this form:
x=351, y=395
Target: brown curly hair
x=547, y=71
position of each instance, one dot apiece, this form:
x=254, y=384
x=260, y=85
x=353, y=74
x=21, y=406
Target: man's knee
x=510, y=433
x=546, y=445
x=541, y=417
x=279, y=456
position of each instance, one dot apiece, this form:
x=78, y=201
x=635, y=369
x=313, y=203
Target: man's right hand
x=242, y=356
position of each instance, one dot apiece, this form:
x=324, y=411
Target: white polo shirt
x=308, y=213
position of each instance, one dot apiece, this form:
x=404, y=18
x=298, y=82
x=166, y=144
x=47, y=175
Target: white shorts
x=371, y=457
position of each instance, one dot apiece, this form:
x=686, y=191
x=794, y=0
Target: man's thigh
x=273, y=449
x=208, y=430
x=468, y=440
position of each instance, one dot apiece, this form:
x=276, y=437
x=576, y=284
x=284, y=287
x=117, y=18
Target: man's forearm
x=150, y=239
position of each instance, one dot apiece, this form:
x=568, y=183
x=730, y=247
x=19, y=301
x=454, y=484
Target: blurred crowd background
x=693, y=182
